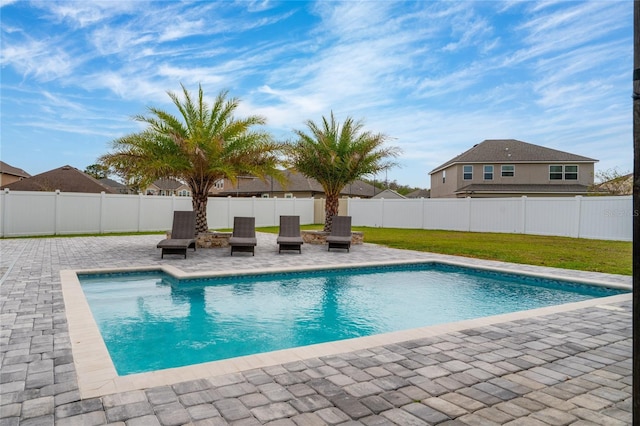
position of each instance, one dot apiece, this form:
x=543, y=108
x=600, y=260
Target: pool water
x=151, y=321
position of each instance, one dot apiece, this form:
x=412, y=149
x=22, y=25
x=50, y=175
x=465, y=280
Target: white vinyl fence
x=605, y=218
x=24, y=213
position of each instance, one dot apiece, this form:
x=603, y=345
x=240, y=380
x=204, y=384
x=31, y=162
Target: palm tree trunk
x=331, y=209
x=199, y=202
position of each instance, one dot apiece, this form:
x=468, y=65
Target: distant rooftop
x=512, y=151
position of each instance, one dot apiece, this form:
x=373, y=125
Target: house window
x=219, y=184
x=183, y=193
x=555, y=172
x=563, y=172
x=488, y=172
x=570, y=172
x=265, y=195
x=508, y=170
x=444, y=176
x=467, y=172
x=288, y=195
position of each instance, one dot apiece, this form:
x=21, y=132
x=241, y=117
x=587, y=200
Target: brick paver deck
x=571, y=367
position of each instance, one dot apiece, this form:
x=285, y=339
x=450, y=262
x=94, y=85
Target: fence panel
x=24, y=214
x=607, y=218
x=551, y=216
x=366, y=213
x=156, y=212
x=121, y=213
x=447, y=213
x=78, y=213
x=496, y=215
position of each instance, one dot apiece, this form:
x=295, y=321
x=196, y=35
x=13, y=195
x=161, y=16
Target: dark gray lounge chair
x=340, y=236
x=243, y=238
x=183, y=234
x=289, y=235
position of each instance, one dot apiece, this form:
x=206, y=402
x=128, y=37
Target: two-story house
x=512, y=168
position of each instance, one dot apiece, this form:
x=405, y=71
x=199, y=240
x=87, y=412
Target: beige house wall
x=6, y=179
x=524, y=174
x=444, y=183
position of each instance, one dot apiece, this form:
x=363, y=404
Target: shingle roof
x=420, y=193
x=389, y=194
x=296, y=182
x=512, y=151
x=168, y=184
x=524, y=188
x=14, y=171
x=112, y=183
x=65, y=178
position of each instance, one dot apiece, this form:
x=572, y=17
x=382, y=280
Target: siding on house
x=517, y=168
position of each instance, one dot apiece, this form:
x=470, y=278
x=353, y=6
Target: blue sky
x=437, y=77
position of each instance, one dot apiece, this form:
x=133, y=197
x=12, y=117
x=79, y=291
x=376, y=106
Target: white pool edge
x=97, y=375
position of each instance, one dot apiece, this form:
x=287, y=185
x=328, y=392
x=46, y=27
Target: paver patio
x=569, y=367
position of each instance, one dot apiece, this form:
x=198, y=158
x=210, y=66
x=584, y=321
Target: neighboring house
x=297, y=186
x=117, y=187
x=10, y=174
x=622, y=185
x=168, y=186
x=64, y=179
x=389, y=194
x=512, y=168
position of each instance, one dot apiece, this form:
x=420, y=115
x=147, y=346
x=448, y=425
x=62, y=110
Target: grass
x=612, y=257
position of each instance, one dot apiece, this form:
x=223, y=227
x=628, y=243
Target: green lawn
x=560, y=252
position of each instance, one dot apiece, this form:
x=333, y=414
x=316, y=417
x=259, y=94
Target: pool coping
x=97, y=375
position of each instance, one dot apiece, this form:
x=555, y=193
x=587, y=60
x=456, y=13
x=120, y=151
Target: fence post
x=468, y=214
x=5, y=210
x=56, y=213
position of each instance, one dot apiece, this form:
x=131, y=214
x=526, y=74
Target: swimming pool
x=151, y=321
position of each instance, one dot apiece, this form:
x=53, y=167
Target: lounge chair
x=183, y=234
x=289, y=235
x=243, y=238
x=340, y=236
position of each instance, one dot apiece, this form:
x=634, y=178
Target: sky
x=436, y=77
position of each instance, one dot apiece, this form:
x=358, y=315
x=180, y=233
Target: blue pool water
x=151, y=321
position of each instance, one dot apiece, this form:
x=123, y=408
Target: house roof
x=112, y=183
x=488, y=188
x=65, y=179
x=420, y=193
x=13, y=171
x=389, y=194
x=512, y=151
x=621, y=185
x=168, y=184
x=296, y=182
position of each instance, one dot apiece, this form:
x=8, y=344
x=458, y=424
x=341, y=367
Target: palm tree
x=200, y=146
x=336, y=155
